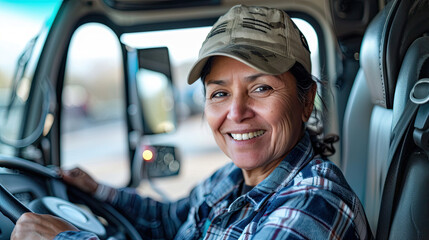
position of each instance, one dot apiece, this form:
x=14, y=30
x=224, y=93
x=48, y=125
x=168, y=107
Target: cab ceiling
x=211, y=10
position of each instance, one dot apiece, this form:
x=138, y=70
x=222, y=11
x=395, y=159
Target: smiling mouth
x=246, y=136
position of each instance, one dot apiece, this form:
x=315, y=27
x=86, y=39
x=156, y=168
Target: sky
x=19, y=22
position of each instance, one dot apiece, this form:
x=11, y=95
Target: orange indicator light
x=147, y=155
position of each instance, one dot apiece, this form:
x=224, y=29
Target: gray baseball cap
x=264, y=38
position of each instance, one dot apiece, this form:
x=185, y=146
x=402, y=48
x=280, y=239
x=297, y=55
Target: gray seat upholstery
x=367, y=120
x=375, y=103
x=377, y=166
x=412, y=212
x=356, y=134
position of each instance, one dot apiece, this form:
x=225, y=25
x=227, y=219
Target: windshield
x=23, y=29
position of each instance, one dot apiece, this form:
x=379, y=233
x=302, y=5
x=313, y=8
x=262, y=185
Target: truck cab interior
x=132, y=121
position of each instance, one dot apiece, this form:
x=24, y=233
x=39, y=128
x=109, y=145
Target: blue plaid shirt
x=305, y=197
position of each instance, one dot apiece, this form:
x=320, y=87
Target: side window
x=312, y=40
x=313, y=43
x=94, y=134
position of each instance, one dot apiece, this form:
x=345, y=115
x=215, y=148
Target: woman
x=255, y=66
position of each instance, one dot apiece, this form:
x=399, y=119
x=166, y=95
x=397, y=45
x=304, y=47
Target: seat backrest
x=355, y=134
x=367, y=119
x=370, y=115
x=411, y=208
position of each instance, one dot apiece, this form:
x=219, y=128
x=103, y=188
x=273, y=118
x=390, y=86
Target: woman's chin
x=246, y=163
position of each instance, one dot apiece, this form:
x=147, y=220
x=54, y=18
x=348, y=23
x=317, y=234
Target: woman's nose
x=240, y=109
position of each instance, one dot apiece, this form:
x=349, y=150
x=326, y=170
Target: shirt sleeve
x=73, y=235
x=152, y=219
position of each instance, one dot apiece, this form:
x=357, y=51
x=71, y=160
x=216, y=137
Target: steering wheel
x=59, y=205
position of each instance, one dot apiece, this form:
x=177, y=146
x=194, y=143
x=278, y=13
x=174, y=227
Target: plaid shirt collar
x=298, y=157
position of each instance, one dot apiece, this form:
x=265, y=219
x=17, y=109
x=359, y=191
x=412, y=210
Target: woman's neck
x=253, y=177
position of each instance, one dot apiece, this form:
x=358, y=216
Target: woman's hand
x=79, y=178
x=39, y=226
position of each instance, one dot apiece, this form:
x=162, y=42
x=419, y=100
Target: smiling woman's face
x=256, y=118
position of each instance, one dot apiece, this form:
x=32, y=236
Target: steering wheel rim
x=12, y=208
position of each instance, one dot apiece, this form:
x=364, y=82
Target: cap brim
x=258, y=58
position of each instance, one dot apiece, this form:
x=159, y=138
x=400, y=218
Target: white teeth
x=237, y=136
x=247, y=136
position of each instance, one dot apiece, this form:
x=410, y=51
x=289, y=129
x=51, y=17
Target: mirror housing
x=151, y=83
x=159, y=161
x=151, y=110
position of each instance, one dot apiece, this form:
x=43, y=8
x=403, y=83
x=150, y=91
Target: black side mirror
x=150, y=80
x=159, y=161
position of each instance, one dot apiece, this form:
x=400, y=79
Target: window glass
x=199, y=153
x=312, y=40
x=23, y=28
x=310, y=34
x=94, y=133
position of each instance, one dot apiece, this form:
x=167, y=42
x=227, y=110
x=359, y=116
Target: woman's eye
x=263, y=88
x=219, y=94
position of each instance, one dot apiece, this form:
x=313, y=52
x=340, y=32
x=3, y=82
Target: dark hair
x=305, y=81
x=205, y=71
x=323, y=145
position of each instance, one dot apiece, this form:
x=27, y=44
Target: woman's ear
x=309, y=103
